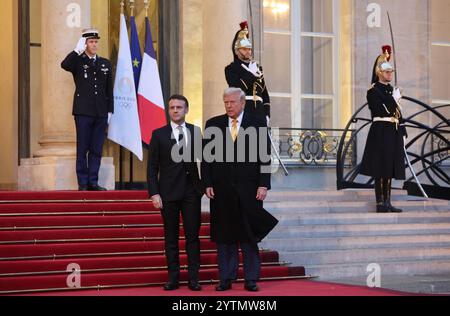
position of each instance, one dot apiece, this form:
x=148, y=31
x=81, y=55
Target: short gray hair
x=232, y=91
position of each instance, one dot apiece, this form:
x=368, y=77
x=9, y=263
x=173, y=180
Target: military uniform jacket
x=94, y=88
x=384, y=155
x=238, y=77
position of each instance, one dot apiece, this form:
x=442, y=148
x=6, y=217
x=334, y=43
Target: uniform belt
x=392, y=120
x=255, y=98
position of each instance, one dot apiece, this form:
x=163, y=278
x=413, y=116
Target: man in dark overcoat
x=237, y=179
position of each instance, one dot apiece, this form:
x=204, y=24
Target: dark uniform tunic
x=93, y=100
x=384, y=156
x=94, y=88
x=255, y=88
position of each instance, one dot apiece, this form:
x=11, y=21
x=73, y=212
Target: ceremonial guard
x=384, y=156
x=93, y=106
x=246, y=74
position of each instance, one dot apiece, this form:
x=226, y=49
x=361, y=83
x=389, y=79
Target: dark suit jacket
x=94, y=87
x=167, y=177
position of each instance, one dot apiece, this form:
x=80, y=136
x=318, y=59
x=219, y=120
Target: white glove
x=254, y=69
x=81, y=46
x=109, y=117
x=397, y=95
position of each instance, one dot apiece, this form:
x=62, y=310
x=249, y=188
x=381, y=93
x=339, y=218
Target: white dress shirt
x=176, y=132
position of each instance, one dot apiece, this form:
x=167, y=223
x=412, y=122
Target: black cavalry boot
x=381, y=206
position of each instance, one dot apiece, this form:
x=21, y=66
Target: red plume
x=244, y=25
x=387, y=49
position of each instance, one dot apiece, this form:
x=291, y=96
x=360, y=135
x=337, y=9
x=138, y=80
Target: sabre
x=277, y=154
x=275, y=149
x=410, y=166
x=414, y=173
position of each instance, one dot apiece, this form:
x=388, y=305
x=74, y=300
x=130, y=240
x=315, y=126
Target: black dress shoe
x=194, y=286
x=82, y=188
x=393, y=209
x=96, y=188
x=171, y=286
x=382, y=208
x=224, y=286
x=251, y=286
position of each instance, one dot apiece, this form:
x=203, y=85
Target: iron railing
x=314, y=147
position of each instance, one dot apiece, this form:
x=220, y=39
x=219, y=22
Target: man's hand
x=262, y=194
x=210, y=193
x=157, y=202
x=81, y=46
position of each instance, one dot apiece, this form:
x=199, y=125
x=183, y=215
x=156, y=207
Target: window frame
x=296, y=36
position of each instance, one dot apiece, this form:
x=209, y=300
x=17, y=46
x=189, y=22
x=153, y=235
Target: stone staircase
x=336, y=235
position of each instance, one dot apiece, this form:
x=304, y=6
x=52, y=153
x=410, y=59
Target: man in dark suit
x=237, y=184
x=175, y=186
x=93, y=106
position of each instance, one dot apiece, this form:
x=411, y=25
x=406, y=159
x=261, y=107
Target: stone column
x=192, y=57
x=53, y=166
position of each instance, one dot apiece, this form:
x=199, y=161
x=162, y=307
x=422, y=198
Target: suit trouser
x=190, y=208
x=91, y=134
x=228, y=257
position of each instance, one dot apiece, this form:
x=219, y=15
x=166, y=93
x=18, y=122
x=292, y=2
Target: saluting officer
x=246, y=74
x=384, y=156
x=93, y=106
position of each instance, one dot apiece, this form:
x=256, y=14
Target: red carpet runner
x=116, y=238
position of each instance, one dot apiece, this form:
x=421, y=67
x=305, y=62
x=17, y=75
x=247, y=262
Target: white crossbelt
x=392, y=120
x=255, y=98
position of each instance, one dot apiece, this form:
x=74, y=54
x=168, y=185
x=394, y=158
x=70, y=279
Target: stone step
x=388, y=241
x=353, y=206
x=421, y=284
x=364, y=256
x=363, y=230
x=295, y=219
x=347, y=207
x=337, y=196
x=329, y=272
x=330, y=196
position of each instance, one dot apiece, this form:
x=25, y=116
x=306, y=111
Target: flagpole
x=146, y=5
x=122, y=7
x=122, y=11
x=132, y=7
x=131, y=154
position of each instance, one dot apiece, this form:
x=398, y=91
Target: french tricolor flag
x=152, y=114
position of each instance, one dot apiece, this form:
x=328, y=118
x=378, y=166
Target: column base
x=59, y=174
